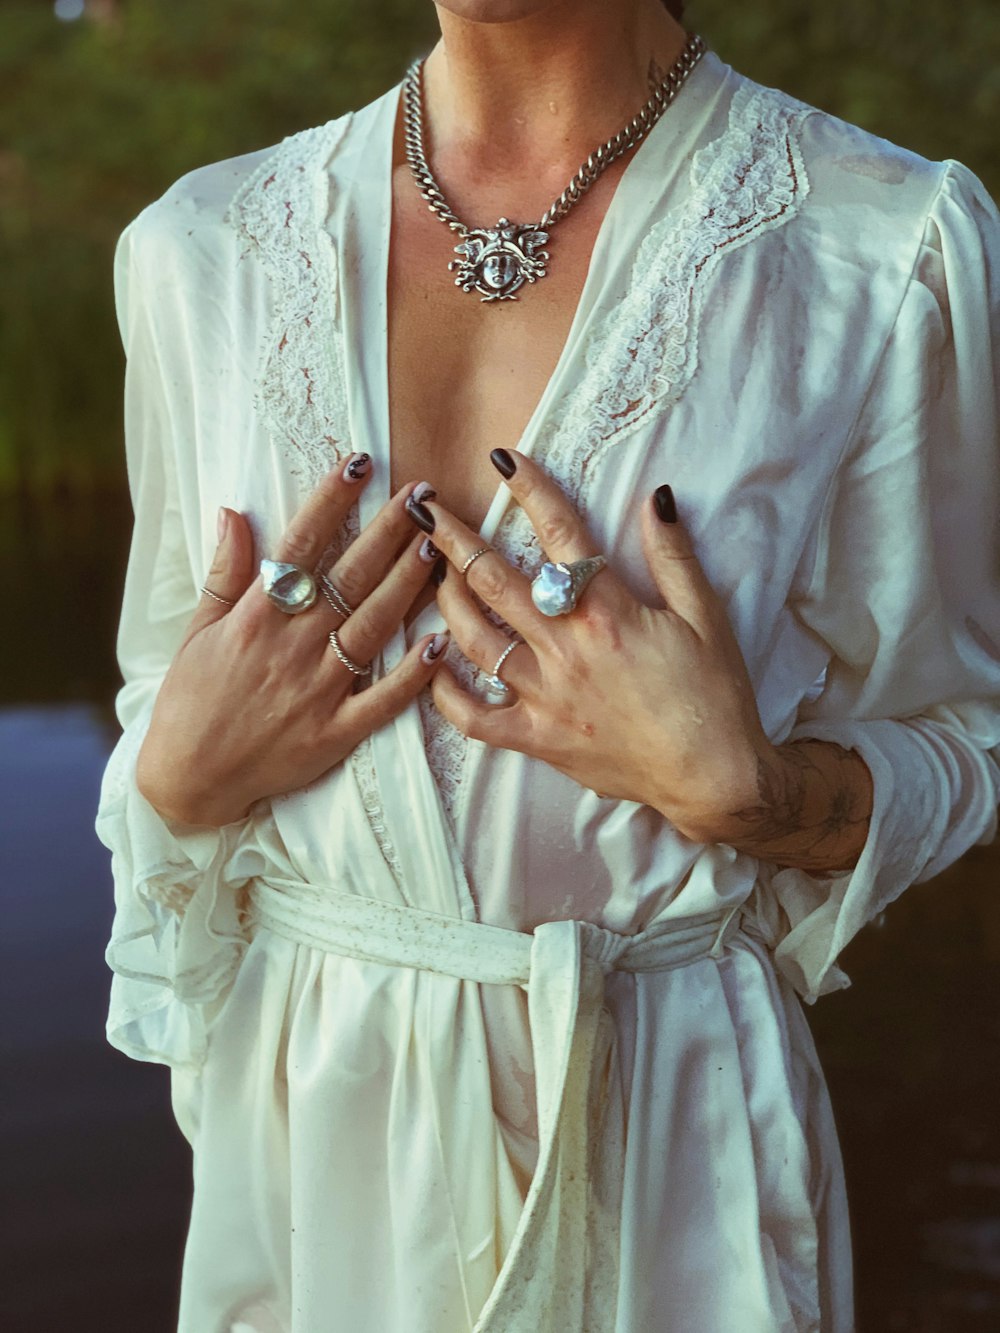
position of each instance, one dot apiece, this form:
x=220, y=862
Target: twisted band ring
x=352, y=666
x=334, y=596
x=215, y=596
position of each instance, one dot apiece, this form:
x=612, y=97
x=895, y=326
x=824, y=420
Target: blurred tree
x=98, y=117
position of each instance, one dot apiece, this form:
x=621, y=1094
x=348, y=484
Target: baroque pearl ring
x=556, y=588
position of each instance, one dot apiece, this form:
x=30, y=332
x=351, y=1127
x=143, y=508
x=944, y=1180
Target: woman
x=476, y=971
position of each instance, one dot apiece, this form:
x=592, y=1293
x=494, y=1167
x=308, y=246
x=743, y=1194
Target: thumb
x=675, y=566
x=231, y=573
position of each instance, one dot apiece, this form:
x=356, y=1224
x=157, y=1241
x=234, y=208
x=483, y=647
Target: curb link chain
x=596, y=164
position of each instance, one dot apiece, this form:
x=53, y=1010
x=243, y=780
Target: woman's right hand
x=256, y=701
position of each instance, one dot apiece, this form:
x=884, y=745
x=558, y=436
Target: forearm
x=811, y=809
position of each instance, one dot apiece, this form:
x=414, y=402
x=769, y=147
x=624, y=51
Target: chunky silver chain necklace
x=498, y=261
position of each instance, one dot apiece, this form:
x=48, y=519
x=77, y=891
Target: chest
x=465, y=376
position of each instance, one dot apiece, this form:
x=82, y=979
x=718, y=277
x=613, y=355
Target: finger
x=560, y=529
x=505, y=727
x=675, y=566
x=231, y=573
x=378, y=617
x=361, y=714
x=319, y=519
x=490, y=577
x=369, y=557
x=482, y=642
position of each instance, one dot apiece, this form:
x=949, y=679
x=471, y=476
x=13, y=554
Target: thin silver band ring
x=498, y=692
x=474, y=557
x=334, y=596
x=514, y=643
x=215, y=596
x=347, y=662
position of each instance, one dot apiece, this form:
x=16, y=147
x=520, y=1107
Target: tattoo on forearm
x=811, y=807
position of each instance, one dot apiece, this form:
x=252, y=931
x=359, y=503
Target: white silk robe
x=797, y=325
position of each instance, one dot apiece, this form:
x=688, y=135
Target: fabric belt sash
x=561, y=1269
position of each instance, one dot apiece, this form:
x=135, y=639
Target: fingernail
x=503, y=462
x=663, y=499
x=435, y=648
x=358, y=466
x=438, y=572
x=222, y=522
x=428, y=551
x=423, y=517
x=422, y=491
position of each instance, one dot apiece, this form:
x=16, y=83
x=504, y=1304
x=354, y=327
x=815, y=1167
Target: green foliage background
x=99, y=116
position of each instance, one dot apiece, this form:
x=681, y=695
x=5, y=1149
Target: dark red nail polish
x=504, y=463
x=439, y=571
x=421, y=515
x=666, y=509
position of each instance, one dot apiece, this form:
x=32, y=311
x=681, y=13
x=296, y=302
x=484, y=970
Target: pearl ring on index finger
x=556, y=588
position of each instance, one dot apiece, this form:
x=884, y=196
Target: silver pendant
x=498, y=261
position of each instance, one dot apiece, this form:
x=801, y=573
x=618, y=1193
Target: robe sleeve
x=176, y=938
x=905, y=595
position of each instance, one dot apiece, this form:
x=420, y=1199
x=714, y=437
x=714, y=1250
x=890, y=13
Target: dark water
x=98, y=1174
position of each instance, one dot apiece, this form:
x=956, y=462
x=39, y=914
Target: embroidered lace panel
x=639, y=358
x=642, y=356
x=301, y=392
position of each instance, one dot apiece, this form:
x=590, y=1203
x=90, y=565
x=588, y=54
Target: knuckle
x=478, y=647
x=470, y=724
x=244, y=629
x=492, y=579
x=527, y=483
x=298, y=545
x=557, y=530
x=349, y=577
x=602, y=623
x=329, y=486
x=366, y=627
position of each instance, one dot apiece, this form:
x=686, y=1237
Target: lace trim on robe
x=301, y=393
x=643, y=356
x=640, y=358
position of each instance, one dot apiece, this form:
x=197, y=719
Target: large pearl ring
x=290, y=587
x=556, y=588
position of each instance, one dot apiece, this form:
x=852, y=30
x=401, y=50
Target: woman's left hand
x=636, y=702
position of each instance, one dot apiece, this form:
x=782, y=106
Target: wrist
x=809, y=806
x=716, y=807
x=191, y=809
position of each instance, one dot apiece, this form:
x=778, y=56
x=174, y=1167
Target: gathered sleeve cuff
x=904, y=595
x=177, y=936
x=935, y=795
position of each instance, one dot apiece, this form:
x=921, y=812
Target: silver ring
x=215, y=596
x=334, y=596
x=498, y=692
x=556, y=588
x=291, y=588
x=474, y=557
x=351, y=666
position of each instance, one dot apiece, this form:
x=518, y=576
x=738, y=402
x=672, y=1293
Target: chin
x=495, y=11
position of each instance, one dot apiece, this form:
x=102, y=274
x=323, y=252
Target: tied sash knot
x=562, y=1266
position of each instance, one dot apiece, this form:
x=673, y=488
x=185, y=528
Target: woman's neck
x=525, y=101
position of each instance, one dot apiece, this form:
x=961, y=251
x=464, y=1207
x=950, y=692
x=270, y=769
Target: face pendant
x=498, y=260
